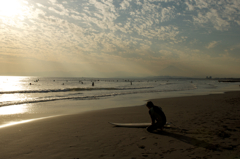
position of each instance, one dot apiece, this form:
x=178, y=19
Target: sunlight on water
x=8, y=84
x=15, y=109
x=12, y=97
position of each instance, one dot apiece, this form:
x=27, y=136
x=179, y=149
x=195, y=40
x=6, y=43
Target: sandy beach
x=202, y=127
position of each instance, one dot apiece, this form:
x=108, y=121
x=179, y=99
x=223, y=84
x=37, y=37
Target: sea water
x=49, y=96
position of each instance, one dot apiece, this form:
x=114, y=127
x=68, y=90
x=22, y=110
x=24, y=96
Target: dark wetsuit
x=158, y=115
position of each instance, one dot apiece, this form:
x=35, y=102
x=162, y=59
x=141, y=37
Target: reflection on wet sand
x=26, y=121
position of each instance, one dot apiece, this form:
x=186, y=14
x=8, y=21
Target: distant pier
x=229, y=80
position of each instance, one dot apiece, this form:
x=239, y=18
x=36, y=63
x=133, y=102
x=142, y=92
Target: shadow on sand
x=189, y=140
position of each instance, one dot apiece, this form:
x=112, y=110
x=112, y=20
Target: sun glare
x=10, y=8
x=15, y=109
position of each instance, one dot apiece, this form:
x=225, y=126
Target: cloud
x=165, y=53
x=53, y=1
x=190, y=6
x=212, y=44
x=58, y=8
x=212, y=17
x=167, y=14
x=202, y=4
x=40, y=5
x=125, y=4
x=220, y=14
x=107, y=31
x=95, y=31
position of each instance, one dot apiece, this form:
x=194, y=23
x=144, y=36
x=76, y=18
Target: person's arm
x=152, y=118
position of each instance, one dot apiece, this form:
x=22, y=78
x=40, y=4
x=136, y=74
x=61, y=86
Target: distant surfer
x=92, y=83
x=157, y=115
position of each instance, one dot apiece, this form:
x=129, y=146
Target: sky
x=120, y=38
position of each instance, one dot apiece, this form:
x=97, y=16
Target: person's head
x=149, y=104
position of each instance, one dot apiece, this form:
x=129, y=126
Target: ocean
x=28, y=97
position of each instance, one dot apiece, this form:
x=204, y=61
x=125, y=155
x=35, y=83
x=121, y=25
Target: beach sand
x=203, y=127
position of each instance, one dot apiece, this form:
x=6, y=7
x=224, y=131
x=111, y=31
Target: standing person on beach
x=157, y=115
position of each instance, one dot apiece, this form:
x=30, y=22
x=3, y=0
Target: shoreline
x=203, y=126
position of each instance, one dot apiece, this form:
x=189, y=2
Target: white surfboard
x=136, y=125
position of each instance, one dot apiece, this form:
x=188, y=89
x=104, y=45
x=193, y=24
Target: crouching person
x=157, y=115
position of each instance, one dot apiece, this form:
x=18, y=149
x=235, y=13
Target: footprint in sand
x=141, y=146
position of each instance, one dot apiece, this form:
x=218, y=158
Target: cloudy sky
x=120, y=38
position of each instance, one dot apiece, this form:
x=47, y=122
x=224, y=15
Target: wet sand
x=202, y=127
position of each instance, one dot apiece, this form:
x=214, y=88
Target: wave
x=89, y=97
x=210, y=85
x=70, y=89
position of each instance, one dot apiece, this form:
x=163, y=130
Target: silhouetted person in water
x=157, y=115
x=92, y=83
